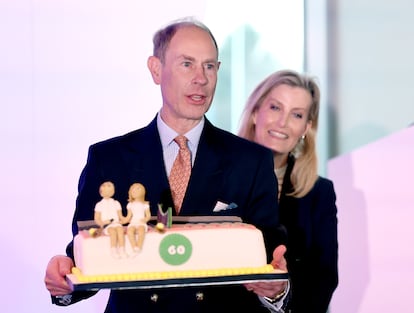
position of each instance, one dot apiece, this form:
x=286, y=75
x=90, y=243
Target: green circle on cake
x=175, y=249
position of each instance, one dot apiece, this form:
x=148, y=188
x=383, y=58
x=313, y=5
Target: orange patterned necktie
x=180, y=172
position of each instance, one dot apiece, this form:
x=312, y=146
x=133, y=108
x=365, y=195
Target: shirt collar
x=167, y=134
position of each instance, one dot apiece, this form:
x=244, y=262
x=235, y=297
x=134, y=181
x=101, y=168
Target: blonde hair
x=130, y=197
x=305, y=170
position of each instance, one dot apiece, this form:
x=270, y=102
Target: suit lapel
x=146, y=153
x=205, y=180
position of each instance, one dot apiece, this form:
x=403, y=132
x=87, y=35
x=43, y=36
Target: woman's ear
x=154, y=66
x=308, y=127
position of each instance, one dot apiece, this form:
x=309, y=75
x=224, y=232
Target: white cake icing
x=188, y=249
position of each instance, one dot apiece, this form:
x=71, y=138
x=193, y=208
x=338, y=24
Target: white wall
x=370, y=70
x=72, y=73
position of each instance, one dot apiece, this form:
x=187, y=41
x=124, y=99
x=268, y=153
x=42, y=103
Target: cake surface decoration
x=115, y=248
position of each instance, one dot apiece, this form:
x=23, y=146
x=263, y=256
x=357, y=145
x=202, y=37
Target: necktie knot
x=181, y=141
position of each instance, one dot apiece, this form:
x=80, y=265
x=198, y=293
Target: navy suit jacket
x=312, y=247
x=226, y=168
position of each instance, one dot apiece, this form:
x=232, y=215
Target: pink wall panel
x=375, y=188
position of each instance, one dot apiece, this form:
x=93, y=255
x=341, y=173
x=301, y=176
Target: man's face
x=188, y=76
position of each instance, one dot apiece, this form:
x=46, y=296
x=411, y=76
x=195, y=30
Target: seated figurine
x=138, y=215
x=108, y=215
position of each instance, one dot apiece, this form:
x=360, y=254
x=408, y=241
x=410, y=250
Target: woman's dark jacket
x=312, y=248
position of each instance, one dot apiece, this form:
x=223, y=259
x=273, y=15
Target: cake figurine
x=138, y=215
x=164, y=219
x=108, y=215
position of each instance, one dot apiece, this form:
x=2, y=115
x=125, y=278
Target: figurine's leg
x=131, y=236
x=121, y=241
x=113, y=239
x=121, y=236
x=112, y=236
x=141, y=236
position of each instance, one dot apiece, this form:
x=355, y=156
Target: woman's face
x=282, y=119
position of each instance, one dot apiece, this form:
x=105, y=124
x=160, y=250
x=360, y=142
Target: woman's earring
x=297, y=150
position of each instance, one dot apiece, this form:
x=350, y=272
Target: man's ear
x=154, y=66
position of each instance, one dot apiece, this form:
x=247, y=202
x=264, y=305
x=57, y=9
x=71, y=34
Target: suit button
x=199, y=296
x=154, y=297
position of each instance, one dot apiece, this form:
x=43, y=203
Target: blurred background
x=74, y=72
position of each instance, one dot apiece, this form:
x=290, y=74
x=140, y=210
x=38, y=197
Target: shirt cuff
x=62, y=300
x=279, y=306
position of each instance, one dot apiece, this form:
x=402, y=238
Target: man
x=225, y=168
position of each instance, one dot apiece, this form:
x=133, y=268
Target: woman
x=282, y=114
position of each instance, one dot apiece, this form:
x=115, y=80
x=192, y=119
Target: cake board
x=76, y=285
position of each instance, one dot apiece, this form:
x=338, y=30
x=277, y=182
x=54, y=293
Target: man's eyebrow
x=186, y=57
x=211, y=61
x=190, y=58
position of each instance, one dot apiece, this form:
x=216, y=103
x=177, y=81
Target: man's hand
x=272, y=289
x=279, y=261
x=55, y=279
